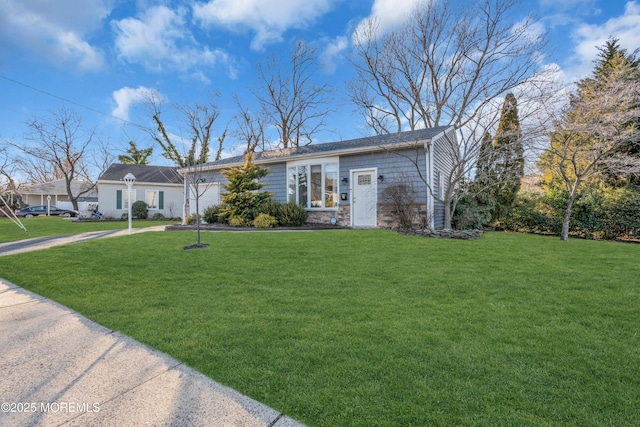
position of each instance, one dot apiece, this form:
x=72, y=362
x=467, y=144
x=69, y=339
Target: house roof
x=143, y=173
x=367, y=144
x=58, y=186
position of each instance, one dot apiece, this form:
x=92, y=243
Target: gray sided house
x=349, y=180
x=160, y=187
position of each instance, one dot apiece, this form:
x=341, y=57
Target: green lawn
x=54, y=226
x=368, y=328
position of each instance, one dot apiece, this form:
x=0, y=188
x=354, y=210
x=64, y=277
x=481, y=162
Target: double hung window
x=152, y=199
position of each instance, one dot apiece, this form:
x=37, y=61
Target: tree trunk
x=447, y=214
x=198, y=214
x=564, y=235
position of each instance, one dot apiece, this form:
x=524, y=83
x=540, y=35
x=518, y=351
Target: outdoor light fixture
x=380, y=178
x=129, y=179
x=345, y=181
x=49, y=205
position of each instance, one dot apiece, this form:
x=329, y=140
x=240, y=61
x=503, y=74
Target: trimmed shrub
x=211, y=214
x=271, y=207
x=264, y=220
x=158, y=216
x=139, y=210
x=238, y=221
x=192, y=219
x=124, y=216
x=473, y=212
x=292, y=215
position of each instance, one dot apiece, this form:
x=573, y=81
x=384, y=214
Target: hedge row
x=598, y=213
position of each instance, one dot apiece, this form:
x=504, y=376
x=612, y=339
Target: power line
x=44, y=92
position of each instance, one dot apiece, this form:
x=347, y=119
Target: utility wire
x=71, y=102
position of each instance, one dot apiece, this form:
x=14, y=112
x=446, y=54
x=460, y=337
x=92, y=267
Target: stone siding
x=386, y=218
x=324, y=217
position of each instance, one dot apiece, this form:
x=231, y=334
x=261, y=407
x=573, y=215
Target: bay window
x=314, y=183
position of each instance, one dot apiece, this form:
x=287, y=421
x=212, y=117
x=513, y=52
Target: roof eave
x=332, y=153
x=119, y=182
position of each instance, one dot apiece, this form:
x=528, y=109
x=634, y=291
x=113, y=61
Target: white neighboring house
x=37, y=194
x=160, y=187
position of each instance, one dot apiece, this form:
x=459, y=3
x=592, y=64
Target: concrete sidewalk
x=59, y=368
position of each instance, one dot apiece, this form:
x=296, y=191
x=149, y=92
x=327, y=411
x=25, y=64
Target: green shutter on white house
x=118, y=199
x=161, y=200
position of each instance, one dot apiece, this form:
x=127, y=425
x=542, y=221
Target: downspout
x=185, y=205
x=428, y=145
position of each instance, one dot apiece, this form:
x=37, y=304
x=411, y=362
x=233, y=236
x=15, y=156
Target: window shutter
x=160, y=199
x=119, y=199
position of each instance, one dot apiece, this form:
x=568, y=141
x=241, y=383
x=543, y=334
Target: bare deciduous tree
x=8, y=172
x=290, y=97
x=63, y=149
x=451, y=63
x=251, y=128
x=196, y=186
x=599, y=121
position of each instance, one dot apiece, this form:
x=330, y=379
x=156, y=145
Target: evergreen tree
x=476, y=207
x=508, y=157
x=612, y=57
x=485, y=168
x=135, y=156
x=242, y=198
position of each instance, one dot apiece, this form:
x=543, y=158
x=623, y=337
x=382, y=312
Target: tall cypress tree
x=485, y=168
x=509, y=157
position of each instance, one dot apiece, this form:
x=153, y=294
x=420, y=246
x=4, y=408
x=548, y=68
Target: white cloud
x=588, y=37
x=159, y=40
x=127, y=97
x=57, y=31
x=390, y=13
x=268, y=19
x=334, y=48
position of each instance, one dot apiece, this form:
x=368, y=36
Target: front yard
x=52, y=226
x=365, y=328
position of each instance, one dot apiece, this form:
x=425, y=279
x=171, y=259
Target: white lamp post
x=129, y=179
x=48, y=205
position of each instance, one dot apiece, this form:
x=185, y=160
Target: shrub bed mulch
x=226, y=227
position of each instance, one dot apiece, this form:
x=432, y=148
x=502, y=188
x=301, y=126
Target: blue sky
x=94, y=56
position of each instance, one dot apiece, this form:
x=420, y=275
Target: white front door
x=364, y=198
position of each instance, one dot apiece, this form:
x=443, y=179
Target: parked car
x=32, y=211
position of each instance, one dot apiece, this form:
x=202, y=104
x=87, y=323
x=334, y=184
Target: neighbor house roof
x=367, y=144
x=59, y=186
x=143, y=173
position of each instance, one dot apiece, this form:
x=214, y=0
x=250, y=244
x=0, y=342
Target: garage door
x=209, y=196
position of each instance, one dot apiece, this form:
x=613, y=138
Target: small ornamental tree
x=242, y=198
